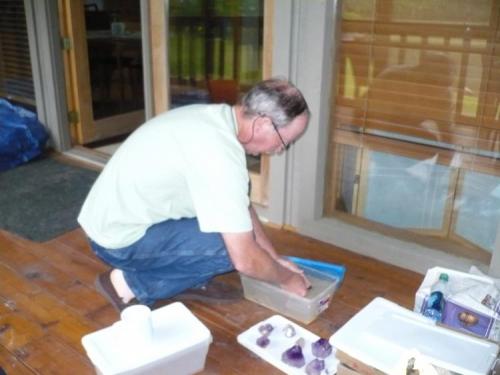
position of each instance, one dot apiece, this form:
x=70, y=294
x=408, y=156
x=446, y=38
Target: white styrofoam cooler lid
x=175, y=329
x=385, y=335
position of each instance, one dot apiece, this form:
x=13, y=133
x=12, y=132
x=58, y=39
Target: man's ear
x=260, y=124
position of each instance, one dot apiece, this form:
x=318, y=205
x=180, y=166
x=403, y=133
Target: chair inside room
x=223, y=91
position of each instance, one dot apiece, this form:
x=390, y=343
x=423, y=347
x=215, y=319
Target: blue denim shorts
x=172, y=256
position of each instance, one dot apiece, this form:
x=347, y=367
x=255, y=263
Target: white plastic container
x=385, y=336
x=304, y=309
x=179, y=346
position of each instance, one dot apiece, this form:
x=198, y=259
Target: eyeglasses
x=286, y=146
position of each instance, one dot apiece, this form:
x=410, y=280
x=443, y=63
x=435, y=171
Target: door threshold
x=89, y=156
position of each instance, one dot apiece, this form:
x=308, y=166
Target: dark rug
x=41, y=200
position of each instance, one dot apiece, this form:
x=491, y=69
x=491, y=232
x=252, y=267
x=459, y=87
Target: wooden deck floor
x=48, y=302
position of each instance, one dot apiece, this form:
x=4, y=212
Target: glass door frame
x=85, y=128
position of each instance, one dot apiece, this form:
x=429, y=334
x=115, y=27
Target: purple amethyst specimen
x=315, y=367
x=321, y=348
x=294, y=357
x=263, y=341
x=265, y=329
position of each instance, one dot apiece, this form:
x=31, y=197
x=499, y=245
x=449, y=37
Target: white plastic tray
x=385, y=335
x=279, y=343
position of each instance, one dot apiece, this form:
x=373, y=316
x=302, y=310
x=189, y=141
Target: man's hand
x=252, y=260
x=293, y=267
x=296, y=283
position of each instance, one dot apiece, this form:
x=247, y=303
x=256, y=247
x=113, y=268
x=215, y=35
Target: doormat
x=41, y=200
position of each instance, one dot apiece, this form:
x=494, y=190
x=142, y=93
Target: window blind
x=424, y=71
x=16, y=79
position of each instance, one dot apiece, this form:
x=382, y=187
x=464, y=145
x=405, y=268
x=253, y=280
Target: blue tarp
x=22, y=136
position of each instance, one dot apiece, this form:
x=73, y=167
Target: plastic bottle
x=435, y=303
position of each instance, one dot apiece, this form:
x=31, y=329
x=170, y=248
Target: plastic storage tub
x=304, y=309
x=385, y=336
x=179, y=347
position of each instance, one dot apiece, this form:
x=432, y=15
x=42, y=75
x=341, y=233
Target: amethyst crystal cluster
x=294, y=356
x=315, y=367
x=265, y=330
x=320, y=349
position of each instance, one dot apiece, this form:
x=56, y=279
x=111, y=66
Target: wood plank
x=159, y=59
x=356, y=365
x=17, y=330
x=260, y=180
x=345, y=370
x=12, y=365
x=62, y=257
x=48, y=355
x=77, y=242
x=75, y=290
x=56, y=318
x=32, y=314
x=13, y=283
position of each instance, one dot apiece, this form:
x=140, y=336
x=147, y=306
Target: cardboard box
x=353, y=366
x=350, y=366
x=179, y=347
x=471, y=302
x=343, y=369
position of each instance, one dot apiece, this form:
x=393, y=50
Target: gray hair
x=275, y=98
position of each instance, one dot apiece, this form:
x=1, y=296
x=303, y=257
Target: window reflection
x=215, y=51
x=418, y=90
x=115, y=56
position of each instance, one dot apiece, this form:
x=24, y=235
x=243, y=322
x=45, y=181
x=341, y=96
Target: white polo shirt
x=184, y=163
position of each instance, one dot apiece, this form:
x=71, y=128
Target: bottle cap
x=443, y=276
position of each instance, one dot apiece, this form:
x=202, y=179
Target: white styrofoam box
x=179, y=345
x=278, y=343
x=385, y=335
